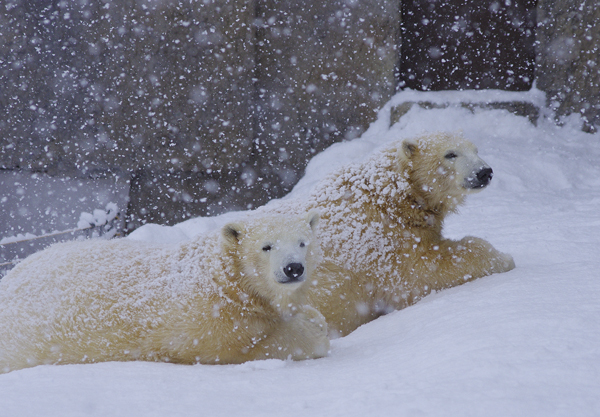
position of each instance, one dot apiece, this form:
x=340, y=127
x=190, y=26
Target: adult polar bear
x=224, y=298
x=381, y=229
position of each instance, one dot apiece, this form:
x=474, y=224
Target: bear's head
x=274, y=256
x=443, y=168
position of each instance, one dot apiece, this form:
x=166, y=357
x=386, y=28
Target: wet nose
x=293, y=271
x=484, y=176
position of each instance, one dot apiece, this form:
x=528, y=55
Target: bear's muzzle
x=294, y=272
x=479, y=179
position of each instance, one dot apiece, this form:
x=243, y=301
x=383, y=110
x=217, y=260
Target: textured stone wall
x=323, y=71
x=130, y=89
x=95, y=86
x=205, y=106
x=468, y=44
x=568, y=57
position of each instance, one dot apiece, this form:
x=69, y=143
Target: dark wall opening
x=467, y=44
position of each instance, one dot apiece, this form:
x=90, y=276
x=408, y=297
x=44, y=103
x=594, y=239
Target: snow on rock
x=533, y=96
x=98, y=217
x=18, y=238
x=101, y=218
x=521, y=343
x=157, y=233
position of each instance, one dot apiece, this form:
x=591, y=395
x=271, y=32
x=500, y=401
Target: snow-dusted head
x=275, y=255
x=444, y=168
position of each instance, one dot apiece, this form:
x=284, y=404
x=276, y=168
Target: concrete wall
x=568, y=57
x=92, y=86
x=212, y=105
x=206, y=106
x=322, y=73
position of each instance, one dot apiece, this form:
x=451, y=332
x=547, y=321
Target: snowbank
x=522, y=343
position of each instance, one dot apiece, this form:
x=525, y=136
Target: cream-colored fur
x=222, y=298
x=381, y=229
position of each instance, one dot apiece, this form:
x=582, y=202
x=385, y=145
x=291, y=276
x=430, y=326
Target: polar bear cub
x=381, y=229
x=226, y=297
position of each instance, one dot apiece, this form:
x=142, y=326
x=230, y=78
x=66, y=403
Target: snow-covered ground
x=524, y=343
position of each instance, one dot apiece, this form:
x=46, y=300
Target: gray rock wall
x=323, y=71
x=94, y=86
x=568, y=63
x=468, y=44
x=208, y=106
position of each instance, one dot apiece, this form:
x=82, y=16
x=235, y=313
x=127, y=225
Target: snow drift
x=526, y=342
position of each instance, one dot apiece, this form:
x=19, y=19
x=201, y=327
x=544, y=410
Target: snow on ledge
x=533, y=96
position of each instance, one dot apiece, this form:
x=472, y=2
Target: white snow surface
x=523, y=343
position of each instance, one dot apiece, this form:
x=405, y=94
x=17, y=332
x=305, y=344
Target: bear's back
x=115, y=290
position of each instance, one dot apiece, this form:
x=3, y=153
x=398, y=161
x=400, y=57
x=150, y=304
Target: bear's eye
x=266, y=248
x=302, y=244
x=451, y=155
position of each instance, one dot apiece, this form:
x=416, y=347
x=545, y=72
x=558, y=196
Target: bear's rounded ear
x=232, y=232
x=313, y=218
x=409, y=148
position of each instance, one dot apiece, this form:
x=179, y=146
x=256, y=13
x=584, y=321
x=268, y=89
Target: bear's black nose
x=485, y=176
x=293, y=271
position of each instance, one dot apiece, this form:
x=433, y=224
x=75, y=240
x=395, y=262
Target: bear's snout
x=479, y=179
x=484, y=176
x=294, y=271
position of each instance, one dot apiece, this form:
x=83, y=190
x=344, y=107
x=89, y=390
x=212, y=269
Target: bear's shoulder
x=370, y=182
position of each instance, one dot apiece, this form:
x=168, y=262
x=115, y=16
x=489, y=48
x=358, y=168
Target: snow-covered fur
x=228, y=297
x=381, y=229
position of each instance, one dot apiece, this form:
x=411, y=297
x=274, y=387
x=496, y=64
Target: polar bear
x=381, y=229
x=222, y=298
